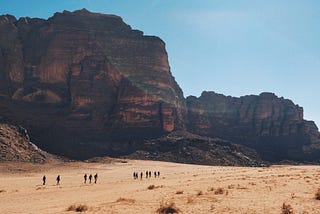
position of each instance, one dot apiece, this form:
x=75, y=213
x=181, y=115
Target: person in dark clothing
x=90, y=178
x=158, y=174
x=85, y=178
x=58, y=180
x=95, y=178
x=44, y=180
x=155, y=174
x=141, y=174
x=149, y=174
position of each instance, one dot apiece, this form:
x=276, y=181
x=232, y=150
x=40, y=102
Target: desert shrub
x=2, y=190
x=219, y=191
x=78, y=208
x=166, y=208
x=151, y=187
x=127, y=200
x=318, y=194
x=199, y=193
x=286, y=209
x=179, y=192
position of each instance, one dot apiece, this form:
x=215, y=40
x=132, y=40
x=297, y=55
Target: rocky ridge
x=273, y=126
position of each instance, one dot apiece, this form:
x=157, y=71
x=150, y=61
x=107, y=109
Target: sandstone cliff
x=80, y=79
x=273, y=126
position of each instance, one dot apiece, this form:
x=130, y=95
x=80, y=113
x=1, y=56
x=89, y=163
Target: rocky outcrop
x=183, y=147
x=81, y=80
x=273, y=126
x=15, y=145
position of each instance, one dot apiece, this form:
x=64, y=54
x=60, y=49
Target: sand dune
x=193, y=188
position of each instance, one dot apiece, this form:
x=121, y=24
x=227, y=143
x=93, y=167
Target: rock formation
x=86, y=84
x=273, y=126
x=15, y=145
x=80, y=79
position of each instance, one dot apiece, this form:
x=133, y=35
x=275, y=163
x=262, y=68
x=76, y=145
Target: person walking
x=95, y=178
x=58, y=180
x=90, y=178
x=85, y=178
x=44, y=180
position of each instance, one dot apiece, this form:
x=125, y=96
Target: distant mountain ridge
x=86, y=84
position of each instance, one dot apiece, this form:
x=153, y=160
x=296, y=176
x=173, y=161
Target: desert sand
x=192, y=188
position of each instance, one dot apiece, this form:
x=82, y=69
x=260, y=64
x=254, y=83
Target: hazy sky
x=232, y=47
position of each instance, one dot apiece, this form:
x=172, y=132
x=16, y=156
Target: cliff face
x=273, y=126
x=81, y=77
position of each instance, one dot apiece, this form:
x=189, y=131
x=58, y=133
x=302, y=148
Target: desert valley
x=187, y=188
x=84, y=93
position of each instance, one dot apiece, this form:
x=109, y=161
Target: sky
x=231, y=47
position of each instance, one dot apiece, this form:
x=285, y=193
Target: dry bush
x=231, y=186
x=127, y=200
x=78, y=208
x=166, y=208
x=219, y=191
x=286, y=209
x=151, y=187
x=2, y=190
x=318, y=194
x=199, y=193
x=179, y=192
x=211, y=189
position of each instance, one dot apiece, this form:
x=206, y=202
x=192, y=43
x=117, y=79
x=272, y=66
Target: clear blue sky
x=231, y=47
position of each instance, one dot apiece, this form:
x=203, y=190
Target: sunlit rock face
x=80, y=79
x=273, y=126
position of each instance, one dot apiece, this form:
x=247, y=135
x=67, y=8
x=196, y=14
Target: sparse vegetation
x=151, y=187
x=126, y=200
x=286, y=209
x=154, y=187
x=199, y=193
x=219, y=191
x=2, y=190
x=179, y=192
x=318, y=194
x=166, y=208
x=78, y=208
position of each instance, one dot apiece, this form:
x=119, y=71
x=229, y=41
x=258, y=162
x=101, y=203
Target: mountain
x=86, y=84
x=85, y=80
x=273, y=126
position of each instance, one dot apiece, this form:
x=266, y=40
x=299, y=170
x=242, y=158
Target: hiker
x=155, y=174
x=95, y=178
x=141, y=174
x=149, y=174
x=158, y=174
x=58, y=180
x=85, y=178
x=90, y=178
x=44, y=180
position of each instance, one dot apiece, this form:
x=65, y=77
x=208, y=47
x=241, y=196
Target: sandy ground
x=193, y=188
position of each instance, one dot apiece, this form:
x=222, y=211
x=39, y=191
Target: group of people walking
x=148, y=174
x=44, y=179
x=90, y=178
